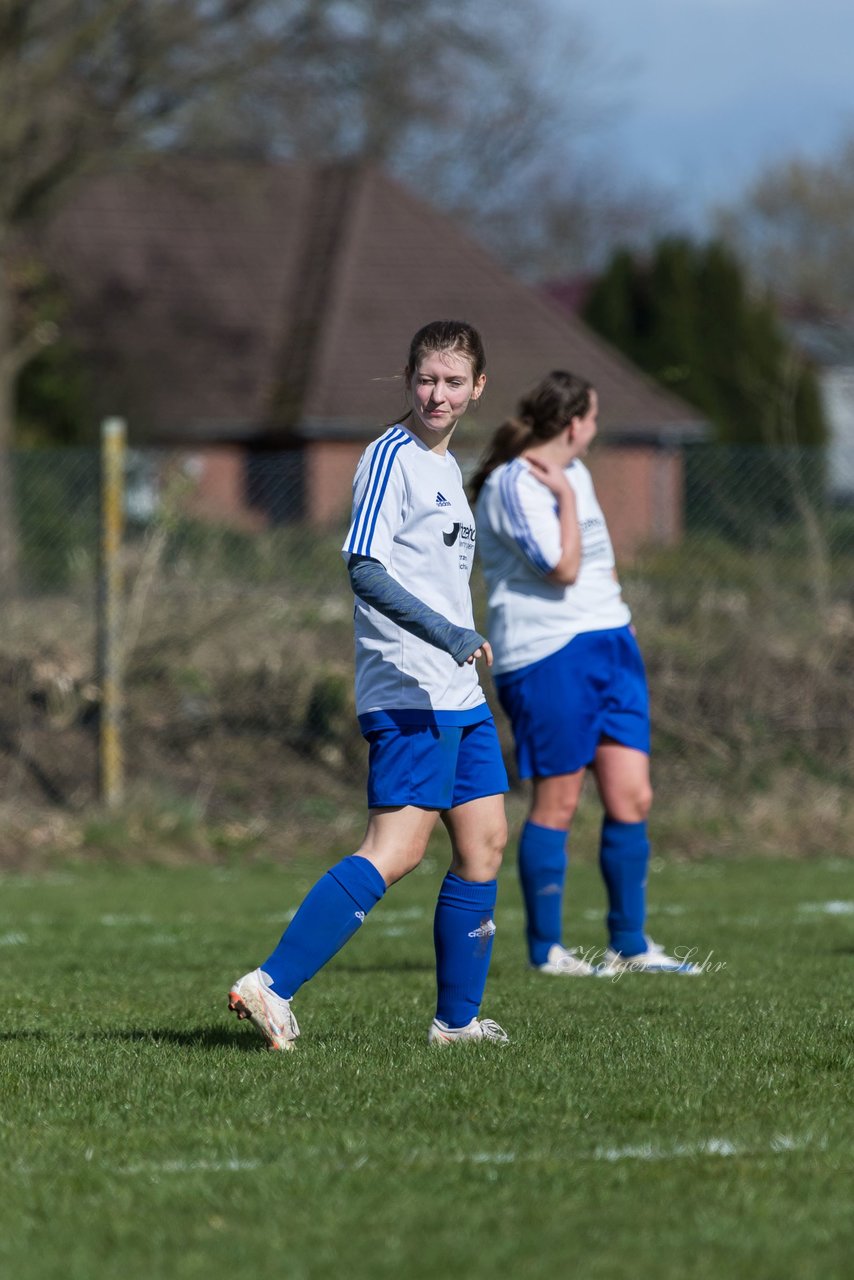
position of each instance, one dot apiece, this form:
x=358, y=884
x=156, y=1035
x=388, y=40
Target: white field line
x=119, y=921
x=834, y=908
x=191, y=1166
x=780, y=1144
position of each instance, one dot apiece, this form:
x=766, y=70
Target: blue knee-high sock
x=542, y=871
x=328, y=916
x=463, y=929
x=623, y=858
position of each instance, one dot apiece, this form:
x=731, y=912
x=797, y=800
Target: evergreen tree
x=53, y=401
x=687, y=317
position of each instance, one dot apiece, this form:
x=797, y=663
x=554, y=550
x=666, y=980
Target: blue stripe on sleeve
x=380, y=449
x=380, y=467
x=395, y=450
x=519, y=527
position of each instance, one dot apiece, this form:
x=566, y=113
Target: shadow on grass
x=194, y=1038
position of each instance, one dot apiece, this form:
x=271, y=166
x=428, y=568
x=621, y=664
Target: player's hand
x=485, y=651
x=551, y=474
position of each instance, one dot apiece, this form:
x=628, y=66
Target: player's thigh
x=555, y=799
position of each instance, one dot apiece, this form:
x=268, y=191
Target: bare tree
x=795, y=229
x=475, y=105
x=573, y=221
x=84, y=83
x=383, y=80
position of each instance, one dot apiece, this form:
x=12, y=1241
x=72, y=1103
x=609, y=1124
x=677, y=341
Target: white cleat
x=483, y=1029
x=565, y=964
x=654, y=960
x=252, y=997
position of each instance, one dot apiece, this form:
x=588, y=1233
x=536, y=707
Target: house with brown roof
x=264, y=312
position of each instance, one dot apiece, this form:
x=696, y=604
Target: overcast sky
x=715, y=89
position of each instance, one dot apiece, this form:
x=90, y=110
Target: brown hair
x=541, y=414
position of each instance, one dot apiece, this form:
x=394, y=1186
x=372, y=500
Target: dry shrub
x=239, y=704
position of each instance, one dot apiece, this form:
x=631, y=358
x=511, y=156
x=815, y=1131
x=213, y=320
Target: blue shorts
x=561, y=707
x=434, y=766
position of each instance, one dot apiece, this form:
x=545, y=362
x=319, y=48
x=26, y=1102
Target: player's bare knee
x=634, y=807
x=410, y=857
x=481, y=868
x=630, y=805
x=497, y=843
x=483, y=860
x=393, y=863
x=643, y=802
x=563, y=815
x=492, y=856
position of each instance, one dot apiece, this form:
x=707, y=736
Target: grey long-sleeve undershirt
x=372, y=583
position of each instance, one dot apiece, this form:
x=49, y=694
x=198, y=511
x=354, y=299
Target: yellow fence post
x=113, y=439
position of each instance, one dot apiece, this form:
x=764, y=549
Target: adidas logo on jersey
x=441, y=500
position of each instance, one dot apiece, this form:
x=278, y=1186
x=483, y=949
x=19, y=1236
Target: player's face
x=584, y=429
x=442, y=387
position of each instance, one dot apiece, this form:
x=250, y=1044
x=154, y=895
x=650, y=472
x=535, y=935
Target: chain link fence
x=236, y=642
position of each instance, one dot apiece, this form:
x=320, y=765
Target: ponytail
x=509, y=440
x=541, y=414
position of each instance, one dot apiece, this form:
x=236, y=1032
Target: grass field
x=653, y=1126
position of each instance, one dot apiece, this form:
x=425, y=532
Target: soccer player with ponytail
x=568, y=671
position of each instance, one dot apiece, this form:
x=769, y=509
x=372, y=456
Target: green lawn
x=647, y=1127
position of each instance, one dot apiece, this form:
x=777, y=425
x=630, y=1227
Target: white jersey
x=519, y=538
x=411, y=514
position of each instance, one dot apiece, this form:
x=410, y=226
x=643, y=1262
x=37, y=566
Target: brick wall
x=640, y=490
